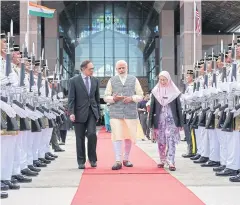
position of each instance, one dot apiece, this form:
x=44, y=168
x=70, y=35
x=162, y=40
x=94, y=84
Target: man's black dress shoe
x=14, y=181
x=227, y=172
x=10, y=184
x=210, y=163
x=38, y=163
x=29, y=173
x=117, y=166
x=21, y=179
x=219, y=169
x=196, y=157
x=4, y=187
x=52, y=155
x=81, y=166
x=48, y=157
x=59, y=150
x=4, y=195
x=235, y=178
x=34, y=169
x=188, y=155
x=93, y=164
x=127, y=163
x=44, y=160
x=201, y=160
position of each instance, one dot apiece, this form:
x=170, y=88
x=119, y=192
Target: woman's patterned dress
x=167, y=136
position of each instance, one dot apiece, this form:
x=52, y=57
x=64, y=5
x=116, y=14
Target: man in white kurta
x=123, y=92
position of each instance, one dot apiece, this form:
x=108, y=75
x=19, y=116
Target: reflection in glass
x=110, y=33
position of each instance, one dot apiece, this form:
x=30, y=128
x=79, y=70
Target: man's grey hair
x=121, y=61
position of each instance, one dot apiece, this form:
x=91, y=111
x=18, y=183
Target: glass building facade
x=106, y=32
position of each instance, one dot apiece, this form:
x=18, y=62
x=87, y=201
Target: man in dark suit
x=84, y=108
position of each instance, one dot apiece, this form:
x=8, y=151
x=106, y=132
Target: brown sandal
x=172, y=168
x=160, y=165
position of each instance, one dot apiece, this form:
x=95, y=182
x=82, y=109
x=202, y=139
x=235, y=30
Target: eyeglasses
x=121, y=68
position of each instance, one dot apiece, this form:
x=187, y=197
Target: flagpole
x=27, y=26
x=194, y=34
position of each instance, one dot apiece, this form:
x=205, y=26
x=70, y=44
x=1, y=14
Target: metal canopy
x=217, y=16
x=10, y=10
x=221, y=16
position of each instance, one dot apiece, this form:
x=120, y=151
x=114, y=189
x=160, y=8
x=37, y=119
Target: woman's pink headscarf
x=167, y=94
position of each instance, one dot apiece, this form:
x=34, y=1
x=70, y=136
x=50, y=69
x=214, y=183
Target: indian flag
x=39, y=10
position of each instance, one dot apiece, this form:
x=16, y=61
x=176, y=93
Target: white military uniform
x=199, y=132
x=226, y=137
x=44, y=145
x=233, y=140
x=214, y=147
x=220, y=134
x=186, y=97
x=201, y=80
x=8, y=141
x=205, y=132
x=188, y=94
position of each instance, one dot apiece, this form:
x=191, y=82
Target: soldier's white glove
x=60, y=95
x=225, y=86
x=47, y=115
x=39, y=114
x=26, y=82
x=237, y=91
x=13, y=79
x=7, y=109
x=53, y=116
x=4, y=80
x=201, y=96
x=36, y=115
x=31, y=114
x=54, y=98
x=20, y=112
x=195, y=94
x=187, y=98
x=34, y=89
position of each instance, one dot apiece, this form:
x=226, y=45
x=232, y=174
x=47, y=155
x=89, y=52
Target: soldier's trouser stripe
x=193, y=139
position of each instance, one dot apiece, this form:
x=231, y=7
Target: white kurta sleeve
x=138, y=92
x=108, y=98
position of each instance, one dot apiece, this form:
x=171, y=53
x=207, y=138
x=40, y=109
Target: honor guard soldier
x=196, y=107
x=204, y=96
x=236, y=152
x=17, y=104
x=214, y=147
x=231, y=122
x=221, y=105
x=4, y=81
x=9, y=133
x=199, y=84
x=228, y=123
x=188, y=94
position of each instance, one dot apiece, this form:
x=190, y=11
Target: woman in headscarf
x=166, y=119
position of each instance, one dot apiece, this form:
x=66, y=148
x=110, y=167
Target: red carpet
x=144, y=184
